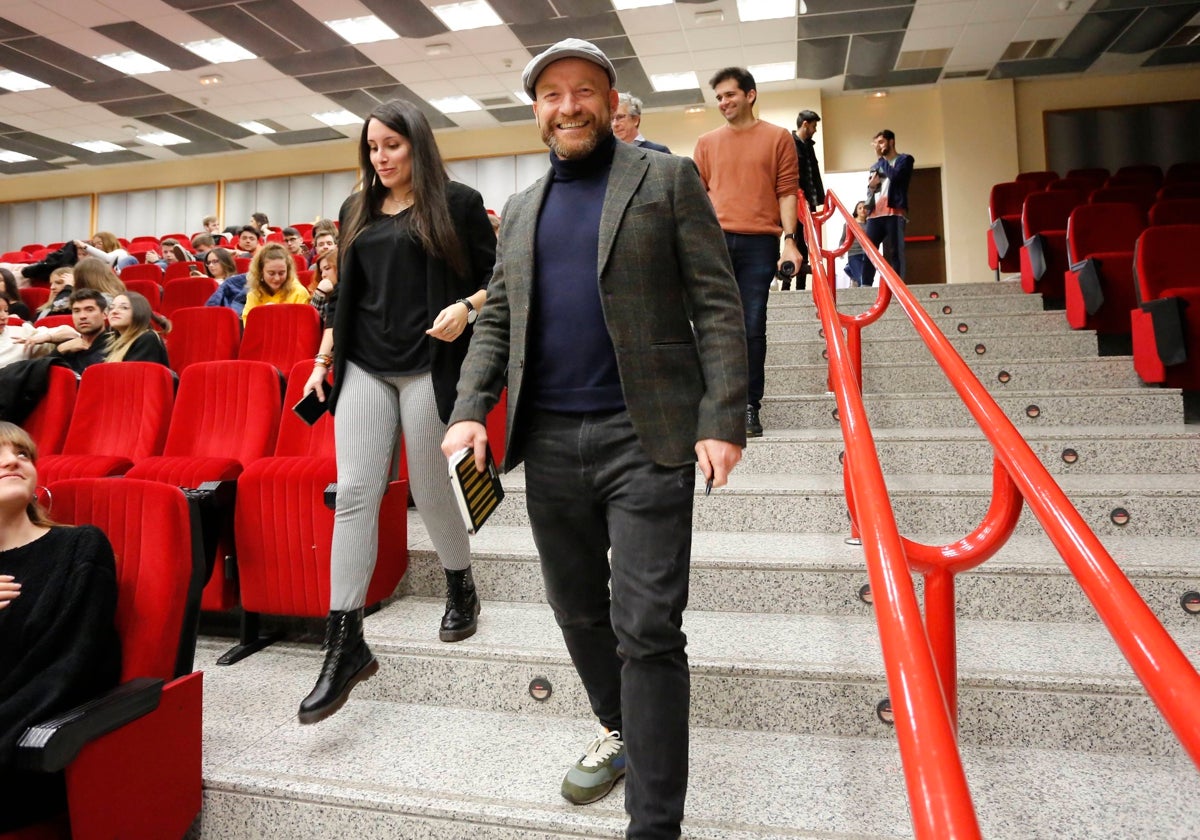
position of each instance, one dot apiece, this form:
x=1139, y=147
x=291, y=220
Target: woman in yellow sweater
x=272, y=278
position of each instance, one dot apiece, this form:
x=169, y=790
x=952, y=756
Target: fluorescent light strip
x=14, y=157
x=163, y=138
x=99, y=146
x=686, y=80
x=257, y=127
x=336, y=118
x=362, y=30
x=218, y=50
x=749, y=10
x=15, y=82
x=522, y=96
x=131, y=63
x=782, y=71
x=470, y=14
x=455, y=104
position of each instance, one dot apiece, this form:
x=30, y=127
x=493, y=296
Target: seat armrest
x=220, y=493
x=331, y=496
x=50, y=746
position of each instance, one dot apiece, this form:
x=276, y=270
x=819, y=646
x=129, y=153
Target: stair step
x=1166, y=448
x=808, y=351
x=1158, y=505
x=820, y=574
x=974, y=305
x=799, y=325
x=921, y=291
x=1023, y=374
x=382, y=769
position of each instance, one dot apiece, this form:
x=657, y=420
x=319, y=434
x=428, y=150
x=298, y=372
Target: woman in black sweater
x=58, y=641
x=133, y=338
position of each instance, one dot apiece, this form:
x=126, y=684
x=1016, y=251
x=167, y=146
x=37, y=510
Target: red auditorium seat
x=284, y=524
x=1044, y=230
x=226, y=416
x=275, y=236
x=1183, y=173
x=186, y=291
x=142, y=271
x=1178, y=190
x=282, y=334
x=1038, y=179
x=122, y=413
x=182, y=269
x=48, y=423
x=1176, y=211
x=30, y=247
x=1079, y=185
x=242, y=263
x=34, y=297
x=148, y=289
x=1166, y=328
x=303, y=228
x=301, y=262
x=202, y=334
x=1004, y=212
x=1094, y=176
x=16, y=257
x=1099, y=283
x=1143, y=197
x=1133, y=176
x=132, y=756
x=53, y=321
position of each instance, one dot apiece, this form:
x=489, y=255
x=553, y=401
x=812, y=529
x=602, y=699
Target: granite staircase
x=789, y=741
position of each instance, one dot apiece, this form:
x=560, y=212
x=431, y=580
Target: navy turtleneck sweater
x=572, y=363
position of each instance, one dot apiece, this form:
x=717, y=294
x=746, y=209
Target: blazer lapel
x=628, y=168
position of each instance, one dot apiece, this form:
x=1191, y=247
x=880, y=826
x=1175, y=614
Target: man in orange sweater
x=750, y=170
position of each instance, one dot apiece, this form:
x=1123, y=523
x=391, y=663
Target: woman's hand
x=450, y=323
x=9, y=590
x=316, y=382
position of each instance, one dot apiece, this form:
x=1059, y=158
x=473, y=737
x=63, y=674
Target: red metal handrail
x=920, y=661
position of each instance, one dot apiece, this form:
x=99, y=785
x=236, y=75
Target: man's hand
x=717, y=459
x=790, y=253
x=467, y=434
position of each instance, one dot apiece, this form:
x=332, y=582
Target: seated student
x=88, y=308
x=261, y=224
x=61, y=285
x=10, y=292
x=294, y=242
x=58, y=639
x=272, y=279
x=133, y=338
x=107, y=247
x=212, y=226
x=172, y=252
x=14, y=344
x=323, y=240
x=232, y=291
x=91, y=273
x=247, y=242
x=325, y=281
x=202, y=243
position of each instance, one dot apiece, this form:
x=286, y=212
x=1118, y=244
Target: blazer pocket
x=648, y=208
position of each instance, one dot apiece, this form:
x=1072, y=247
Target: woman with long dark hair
x=134, y=338
x=415, y=257
x=58, y=639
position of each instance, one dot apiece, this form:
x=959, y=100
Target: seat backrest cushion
x=1164, y=258
x=226, y=409
x=123, y=409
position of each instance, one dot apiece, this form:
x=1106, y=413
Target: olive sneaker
x=593, y=776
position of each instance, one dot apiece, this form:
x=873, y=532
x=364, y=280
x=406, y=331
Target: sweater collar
x=598, y=160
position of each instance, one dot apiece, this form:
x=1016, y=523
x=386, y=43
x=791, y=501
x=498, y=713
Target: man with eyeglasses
x=627, y=124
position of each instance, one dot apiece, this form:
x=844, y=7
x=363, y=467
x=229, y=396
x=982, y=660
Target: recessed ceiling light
x=749, y=10
x=694, y=109
x=362, y=30
x=131, y=63
x=99, y=146
x=211, y=79
x=878, y=94
x=782, y=71
x=523, y=96
x=455, y=104
x=219, y=50
x=163, y=138
x=622, y=5
x=674, y=81
x=470, y=14
x=440, y=48
x=16, y=82
x=257, y=127
x=339, y=117
x=14, y=157
x=710, y=17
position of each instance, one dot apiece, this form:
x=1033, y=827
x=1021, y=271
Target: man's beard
x=580, y=148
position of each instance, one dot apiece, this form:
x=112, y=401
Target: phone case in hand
x=310, y=408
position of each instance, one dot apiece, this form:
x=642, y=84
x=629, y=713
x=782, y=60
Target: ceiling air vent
x=495, y=101
x=922, y=59
x=964, y=74
x=1018, y=50
x=1189, y=34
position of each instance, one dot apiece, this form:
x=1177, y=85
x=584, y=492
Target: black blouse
x=147, y=347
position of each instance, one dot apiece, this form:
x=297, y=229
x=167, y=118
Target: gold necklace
x=398, y=205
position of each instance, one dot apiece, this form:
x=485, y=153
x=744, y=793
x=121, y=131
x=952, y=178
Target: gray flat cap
x=566, y=48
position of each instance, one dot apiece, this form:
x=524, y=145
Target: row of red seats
x=1166, y=321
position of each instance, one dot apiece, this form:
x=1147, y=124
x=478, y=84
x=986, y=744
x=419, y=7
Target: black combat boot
x=462, y=607
x=348, y=661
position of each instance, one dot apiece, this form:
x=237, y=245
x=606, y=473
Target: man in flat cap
x=614, y=319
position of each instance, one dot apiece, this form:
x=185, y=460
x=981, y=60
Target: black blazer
x=443, y=288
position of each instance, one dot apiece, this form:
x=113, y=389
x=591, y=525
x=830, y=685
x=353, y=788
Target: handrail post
x=940, y=627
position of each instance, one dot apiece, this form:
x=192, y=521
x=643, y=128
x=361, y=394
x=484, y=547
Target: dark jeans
x=855, y=265
x=589, y=486
x=890, y=231
x=754, y=257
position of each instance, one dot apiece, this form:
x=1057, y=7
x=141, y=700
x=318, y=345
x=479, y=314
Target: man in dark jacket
x=810, y=182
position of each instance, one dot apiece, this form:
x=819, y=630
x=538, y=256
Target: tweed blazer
x=669, y=299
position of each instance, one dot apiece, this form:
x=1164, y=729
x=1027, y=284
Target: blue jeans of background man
x=754, y=258
x=590, y=485
x=888, y=230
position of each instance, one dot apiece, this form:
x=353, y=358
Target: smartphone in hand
x=310, y=408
